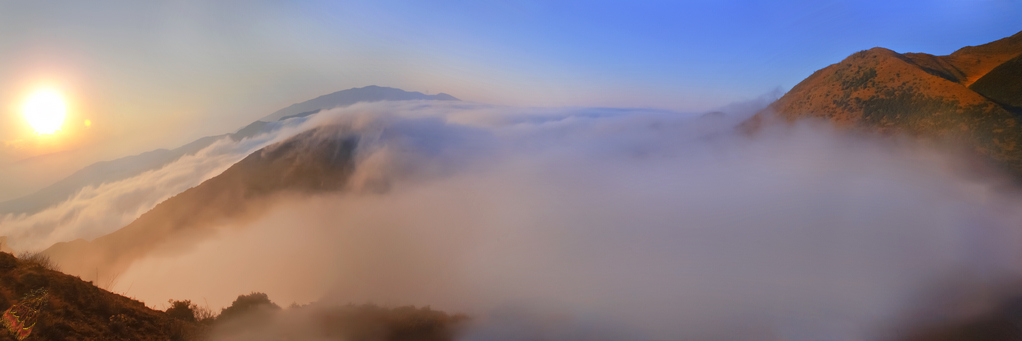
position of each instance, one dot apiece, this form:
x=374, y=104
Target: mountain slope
x=56, y=306
x=370, y=93
x=970, y=63
x=316, y=160
x=127, y=167
x=98, y=173
x=120, y=169
x=1002, y=85
x=919, y=94
x=67, y=308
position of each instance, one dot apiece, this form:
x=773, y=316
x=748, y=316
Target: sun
x=45, y=111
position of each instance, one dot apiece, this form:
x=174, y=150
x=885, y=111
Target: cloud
x=643, y=224
x=97, y=210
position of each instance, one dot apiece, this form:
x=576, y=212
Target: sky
x=158, y=75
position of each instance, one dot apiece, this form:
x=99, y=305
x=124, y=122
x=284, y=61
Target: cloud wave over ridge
x=618, y=224
x=97, y=210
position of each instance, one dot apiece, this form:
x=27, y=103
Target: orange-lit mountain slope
x=922, y=95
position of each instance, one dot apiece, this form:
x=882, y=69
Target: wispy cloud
x=101, y=209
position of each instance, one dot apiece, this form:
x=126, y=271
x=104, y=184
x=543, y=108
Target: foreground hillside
x=40, y=303
x=968, y=98
x=56, y=306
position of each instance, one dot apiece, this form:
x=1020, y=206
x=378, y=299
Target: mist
x=621, y=224
x=96, y=210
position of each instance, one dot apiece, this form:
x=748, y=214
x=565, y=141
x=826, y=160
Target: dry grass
x=78, y=310
x=38, y=259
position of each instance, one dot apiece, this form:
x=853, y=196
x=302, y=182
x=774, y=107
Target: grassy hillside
x=56, y=306
x=64, y=307
x=922, y=95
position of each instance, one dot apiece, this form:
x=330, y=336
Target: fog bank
x=628, y=224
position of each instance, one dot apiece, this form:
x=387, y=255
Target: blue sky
x=669, y=54
x=158, y=75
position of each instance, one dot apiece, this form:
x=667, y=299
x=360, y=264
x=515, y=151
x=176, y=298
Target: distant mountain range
x=370, y=93
x=972, y=97
x=127, y=167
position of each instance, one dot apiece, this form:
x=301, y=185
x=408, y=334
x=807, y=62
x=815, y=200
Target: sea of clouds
x=579, y=223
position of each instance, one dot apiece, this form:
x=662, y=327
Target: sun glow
x=45, y=111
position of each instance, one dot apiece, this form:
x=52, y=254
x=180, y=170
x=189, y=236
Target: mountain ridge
x=351, y=96
x=918, y=94
x=129, y=166
x=317, y=160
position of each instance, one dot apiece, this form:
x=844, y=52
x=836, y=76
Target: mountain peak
x=372, y=93
x=972, y=96
x=1007, y=45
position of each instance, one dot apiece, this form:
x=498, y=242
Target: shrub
x=7, y=261
x=38, y=259
x=401, y=323
x=181, y=310
x=246, y=304
x=185, y=310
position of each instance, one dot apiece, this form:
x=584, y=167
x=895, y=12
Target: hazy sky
x=159, y=75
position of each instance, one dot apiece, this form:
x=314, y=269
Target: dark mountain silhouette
x=246, y=319
x=316, y=160
x=965, y=99
x=370, y=93
x=127, y=167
